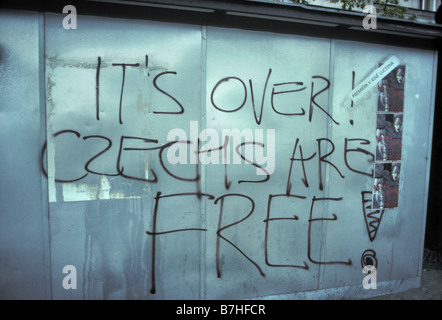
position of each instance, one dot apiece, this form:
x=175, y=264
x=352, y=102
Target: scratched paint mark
x=103, y=191
x=79, y=192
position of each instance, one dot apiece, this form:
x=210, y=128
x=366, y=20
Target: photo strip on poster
x=391, y=91
x=386, y=185
x=389, y=123
x=389, y=137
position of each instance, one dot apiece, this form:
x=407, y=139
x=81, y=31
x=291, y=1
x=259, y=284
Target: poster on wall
x=389, y=122
x=386, y=185
x=391, y=91
x=389, y=137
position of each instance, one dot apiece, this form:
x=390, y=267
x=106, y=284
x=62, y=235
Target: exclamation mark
x=352, y=87
x=97, y=88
